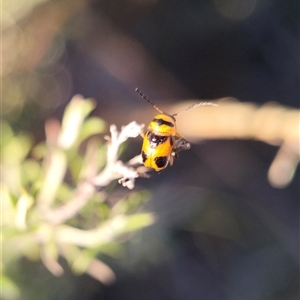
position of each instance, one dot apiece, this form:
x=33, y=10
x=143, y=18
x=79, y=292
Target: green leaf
x=129, y=204
x=81, y=262
x=30, y=171
x=64, y=193
x=18, y=245
x=9, y=290
x=6, y=133
x=75, y=113
x=75, y=166
x=16, y=149
x=7, y=206
x=39, y=151
x=53, y=176
x=91, y=126
x=24, y=203
x=112, y=249
x=138, y=221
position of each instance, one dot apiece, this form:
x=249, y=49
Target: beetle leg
x=172, y=154
x=171, y=159
x=178, y=136
x=180, y=144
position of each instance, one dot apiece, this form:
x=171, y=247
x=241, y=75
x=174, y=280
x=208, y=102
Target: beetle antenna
x=196, y=105
x=148, y=100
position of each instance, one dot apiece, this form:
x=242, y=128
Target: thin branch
x=114, y=169
x=271, y=123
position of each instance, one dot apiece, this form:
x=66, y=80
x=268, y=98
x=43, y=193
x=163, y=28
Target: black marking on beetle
x=163, y=122
x=161, y=161
x=144, y=156
x=155, y=139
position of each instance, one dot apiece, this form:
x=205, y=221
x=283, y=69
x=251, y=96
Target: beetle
x=161, y=141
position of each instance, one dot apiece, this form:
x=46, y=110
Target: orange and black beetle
x=161, y=141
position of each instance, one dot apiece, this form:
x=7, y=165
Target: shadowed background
x=222, y=231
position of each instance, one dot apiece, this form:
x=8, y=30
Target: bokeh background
x=222, y=231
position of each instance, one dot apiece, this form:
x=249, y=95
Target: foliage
x=51, y=208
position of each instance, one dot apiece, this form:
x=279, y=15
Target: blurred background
x=222, y=231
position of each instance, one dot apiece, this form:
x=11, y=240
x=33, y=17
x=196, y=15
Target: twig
x=271, y=123
x=114, y=169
